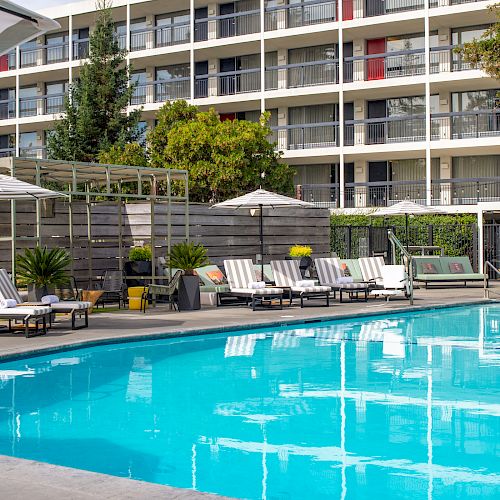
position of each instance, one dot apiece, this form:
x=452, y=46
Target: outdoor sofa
x=446, y=270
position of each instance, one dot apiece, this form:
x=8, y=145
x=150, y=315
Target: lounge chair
x=350, y=267
x=153, y=291
x=330, y=274
x=240, y=274
x=394, y=282
x=371, y=269
x=287, y=274
x=114, y=287
x=214, y=288
x=73, y=307
x=446, y=270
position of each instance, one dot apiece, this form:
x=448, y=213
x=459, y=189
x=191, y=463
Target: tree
x=129, y=154
x=484, y=53
x=224, y=159
x=95, y=116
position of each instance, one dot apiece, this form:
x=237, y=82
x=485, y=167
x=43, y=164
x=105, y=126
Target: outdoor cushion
x=429, y=268
x=353, y=268
x=257, y=291
x=50, y=299
x=25, y=311
x=256, y=285
x=464, y=260
x=450, y=277
x=346, y=270
x=456, y=268
x=70, y=305
x=217, y=277
x=311, y=289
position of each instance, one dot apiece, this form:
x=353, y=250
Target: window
x=172, y=82
x=28, y=101
x=172, y=29
x=57, y=47
x=316, y=74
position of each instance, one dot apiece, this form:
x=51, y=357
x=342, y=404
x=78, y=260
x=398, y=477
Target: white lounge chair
x=240, y=274
x=287, y=274
x=73, y=307
x=371, y=269
x=330, y=274
x=394, y=282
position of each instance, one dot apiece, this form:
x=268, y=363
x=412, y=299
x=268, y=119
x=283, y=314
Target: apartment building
x=371, y=105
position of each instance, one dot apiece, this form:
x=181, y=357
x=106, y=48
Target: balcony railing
x=240, y=23
x=201, y=30
x=465, y=124
x=387, y=65
x=161, y=91
x=44, y=54
x=159, y=36
x=41, y=105
x=32, y=152
x=302, y=74
x=5, y=152
x=444, y=59
x=447, y=3
x=307, y=136
x=238, y=82
x=297, y=15
x=378, y=8
x=7, y=109
x=463, y=191
x=81, y=49
x=201, y=86
x=384, y=130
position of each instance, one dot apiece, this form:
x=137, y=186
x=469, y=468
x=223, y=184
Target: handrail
x=407, y=259
x=488, y=265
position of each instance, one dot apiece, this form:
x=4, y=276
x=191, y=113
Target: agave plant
x=187, y=256
x=43, y=267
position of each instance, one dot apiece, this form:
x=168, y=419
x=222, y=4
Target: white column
x=262, y=59
x=428, y=187
x=70, y=49
x=191, y=50
x=341, y=107
x=480, y=238
x=18, y=65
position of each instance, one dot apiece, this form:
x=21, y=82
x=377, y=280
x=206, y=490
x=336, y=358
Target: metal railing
x=7, y=109
x=5, y=152
x=32, y=152
x=446, y=192
x=238, y=82
x=81, y=49
x=41, y=105
x=302, y=74
x=159, y=36
x=465, y=124
x=489, y=271
x=307, y=136
x=239, y=23
x=297, y=15
x=447, y=3
x=384, y=130
x=200, y=30
x=443, y=59
x=378, y=8
x=405, y=258
x=44, y=54
x=386, y=65
x=161, y=91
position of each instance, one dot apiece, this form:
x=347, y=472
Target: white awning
x=18, y=25
x=14, y=189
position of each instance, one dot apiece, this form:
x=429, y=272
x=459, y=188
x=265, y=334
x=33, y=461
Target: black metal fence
x=352, y=242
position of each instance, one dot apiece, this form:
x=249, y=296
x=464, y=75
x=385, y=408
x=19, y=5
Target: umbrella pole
x=261, y=230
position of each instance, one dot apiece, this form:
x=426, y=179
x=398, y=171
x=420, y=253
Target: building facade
x=367, y=97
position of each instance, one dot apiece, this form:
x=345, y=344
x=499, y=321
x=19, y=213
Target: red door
x=4, y=62
x=375, y=66
x=348, y=10
x=227, y=116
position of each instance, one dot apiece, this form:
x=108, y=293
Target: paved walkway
x=23, y=479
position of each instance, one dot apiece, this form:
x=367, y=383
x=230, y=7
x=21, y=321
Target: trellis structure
x=91, y=184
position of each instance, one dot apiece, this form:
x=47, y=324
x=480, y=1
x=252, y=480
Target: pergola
x=91, y=184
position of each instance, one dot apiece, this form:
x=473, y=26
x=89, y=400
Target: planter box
x=189, y=293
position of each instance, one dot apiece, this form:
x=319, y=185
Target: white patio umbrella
x=18, y=25
x=14, y=189
x=407, y=208
x=258, y=200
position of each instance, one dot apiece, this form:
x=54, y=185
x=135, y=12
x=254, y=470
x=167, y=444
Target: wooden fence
x=225, y=233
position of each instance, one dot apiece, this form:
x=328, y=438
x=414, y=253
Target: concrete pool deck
x=22, y=479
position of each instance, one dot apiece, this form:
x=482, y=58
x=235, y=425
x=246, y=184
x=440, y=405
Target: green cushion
x=420, y=261
x=268, y=272
x=215, y=288
x=202, y=273
x=464, y=260
x=449, y=277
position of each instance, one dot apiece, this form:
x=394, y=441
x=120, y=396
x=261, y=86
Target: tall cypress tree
x=95, y=108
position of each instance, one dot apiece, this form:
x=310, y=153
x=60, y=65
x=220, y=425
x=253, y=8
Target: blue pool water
x=401, y=406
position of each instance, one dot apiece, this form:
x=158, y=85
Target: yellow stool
x=135, y=297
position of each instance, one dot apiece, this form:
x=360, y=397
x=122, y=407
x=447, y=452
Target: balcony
x=6, y=152
x=464, y=191
x=161, y=91
x=44, y=54
x=238, y=82
x=384, y=130
x=8, y=61
x=159, y=36
x=306, y=136
x=41, y=105
x=302, y=75
x=7, y=109
x=465, y=125
x=384, y=66
x=444, y=59
x=381, y=8
x=32, y=152
x=227, y=25
x=81, y=49
x=297, y=15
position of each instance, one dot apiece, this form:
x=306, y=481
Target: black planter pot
x=35, y=293
x=189, y=293
x=305, y=265
x=138, y=268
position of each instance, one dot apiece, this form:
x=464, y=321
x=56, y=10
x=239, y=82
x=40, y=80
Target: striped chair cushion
x=286, y=272
x=7, y=288
x=70, y=305
x=371, y=268
x=311, y=289
x=239, y=272
x=18, y=312
x=328, y=270
x=258, y=291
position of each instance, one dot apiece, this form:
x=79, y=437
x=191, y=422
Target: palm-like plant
x=187, y=256
x=43, y=267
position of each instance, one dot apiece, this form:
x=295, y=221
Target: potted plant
x=41, y=270
x=302, y=252
x=187, y=257
x=139, y=264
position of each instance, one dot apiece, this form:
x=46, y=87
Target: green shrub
x=140, y=253
x=43, y=267
x=187, y=256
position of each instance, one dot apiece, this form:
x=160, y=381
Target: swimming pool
x=398, y=406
